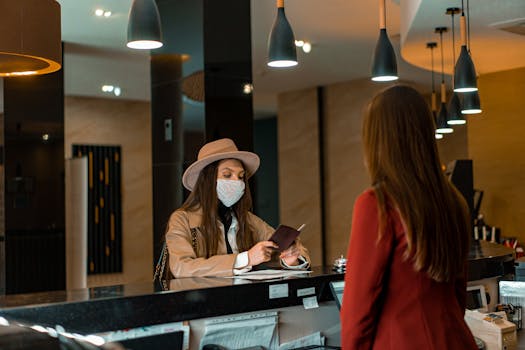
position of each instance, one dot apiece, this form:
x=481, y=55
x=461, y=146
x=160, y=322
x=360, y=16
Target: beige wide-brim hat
x=217, y=150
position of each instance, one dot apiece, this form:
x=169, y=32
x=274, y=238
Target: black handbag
x=162, y=270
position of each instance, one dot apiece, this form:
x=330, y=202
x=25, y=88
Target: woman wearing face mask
x=214, y=233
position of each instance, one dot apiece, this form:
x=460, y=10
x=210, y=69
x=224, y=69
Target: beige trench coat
x=184, y=261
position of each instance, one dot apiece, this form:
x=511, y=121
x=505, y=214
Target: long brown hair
x=405, y=170
x=204, y=196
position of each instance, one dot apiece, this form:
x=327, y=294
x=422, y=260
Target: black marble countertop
x=487, y=260
x=103, y=309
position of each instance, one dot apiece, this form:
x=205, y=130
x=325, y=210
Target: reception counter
x=304, y=302
x=103, y=309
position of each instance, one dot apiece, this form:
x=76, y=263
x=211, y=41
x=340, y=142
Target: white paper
x=310, y=303
x=278, y=291
x=311, y=339
x=269, y=274
x=237, y=332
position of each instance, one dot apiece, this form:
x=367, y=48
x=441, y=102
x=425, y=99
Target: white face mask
x=230, y=191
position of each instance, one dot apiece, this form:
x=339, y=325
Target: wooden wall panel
x=299, y=185
x=496, y=144
x=124, y=123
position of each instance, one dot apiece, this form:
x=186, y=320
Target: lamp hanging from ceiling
x=281, y=43
x=144, y=31
x=31, y=42
x=442, y=125
x=465, y=73
x=433, y=99
x=454, y=108
x=384, y=64
x=471, y=102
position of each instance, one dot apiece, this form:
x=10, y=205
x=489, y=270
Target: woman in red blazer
x=405, y=284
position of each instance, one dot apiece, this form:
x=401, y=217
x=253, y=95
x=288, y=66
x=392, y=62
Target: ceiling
x=342, y=32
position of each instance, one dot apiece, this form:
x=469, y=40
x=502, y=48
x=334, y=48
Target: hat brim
x=250, y=161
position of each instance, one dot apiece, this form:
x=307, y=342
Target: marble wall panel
x=125, y=123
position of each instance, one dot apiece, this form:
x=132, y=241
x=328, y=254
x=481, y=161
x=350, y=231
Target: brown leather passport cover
x=284, y=236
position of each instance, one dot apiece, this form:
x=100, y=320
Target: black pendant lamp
x=471, y=104
x=465, y=73
x=144, y=31
x=384, y=64
x=281, y=43
x=454, y=107
x=442, y=126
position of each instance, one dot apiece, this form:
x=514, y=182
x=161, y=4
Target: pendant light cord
x=432, y=64
x=468, y=26
x=382, y=14
x=453, y=48
x=442, y=63
x=443, y=89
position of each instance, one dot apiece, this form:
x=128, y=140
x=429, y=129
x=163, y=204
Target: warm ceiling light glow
x=99, y=12
x=33, y=45
x=438, y=136
x=385, y=78
x=144, y=44
x=45, y=137
x=444, y=130
x=282, y=63
x=471, y=111
x=299, y=43
x=247, y=88
x=15, y=74
x=456, y=122
x=307, y=47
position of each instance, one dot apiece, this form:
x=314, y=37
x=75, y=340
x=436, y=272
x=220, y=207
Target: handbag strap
x=163, y=258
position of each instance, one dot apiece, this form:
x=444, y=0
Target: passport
x=284, y=236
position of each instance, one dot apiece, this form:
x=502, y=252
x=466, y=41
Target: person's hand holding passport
x=284, y=236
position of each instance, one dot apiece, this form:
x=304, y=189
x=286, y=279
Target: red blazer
x=386, y=303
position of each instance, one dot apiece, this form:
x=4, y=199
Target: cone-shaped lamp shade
x=31, y=40
x=384, y=65
x=281, y=44
x=465, y=73
x=442, y=125
x=471, y=103
x=144, y=31
x=454, y=111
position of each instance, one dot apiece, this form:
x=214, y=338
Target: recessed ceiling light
x=117, y=91
x=247, y=88
x=107, y=88
x=299, y=43
x=307, y=47
x=107, y=13
x=45, y=137
x=99, y=12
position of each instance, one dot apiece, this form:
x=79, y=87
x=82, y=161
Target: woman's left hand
x=291, y=255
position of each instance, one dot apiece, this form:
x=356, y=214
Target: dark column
x=167, y=141
x=34, y=183
x=228, y=67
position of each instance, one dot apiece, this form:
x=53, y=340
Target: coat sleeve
x=265, y=231
x=367, y=261
x=182, y=258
